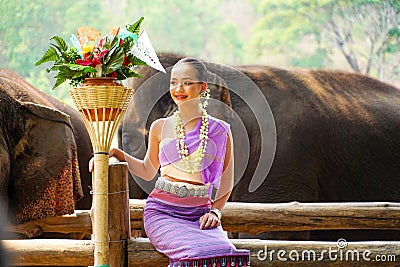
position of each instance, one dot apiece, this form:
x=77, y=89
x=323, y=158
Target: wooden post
x=118, y=214
x=100, y=210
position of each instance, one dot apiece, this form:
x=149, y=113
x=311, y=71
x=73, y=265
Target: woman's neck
x=189, y=112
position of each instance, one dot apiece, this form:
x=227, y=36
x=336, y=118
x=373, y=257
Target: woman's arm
x=148, y=167
x=210, y=220
x=226, y=184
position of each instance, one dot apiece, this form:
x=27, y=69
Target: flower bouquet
x=115, y=55
x=94, y=65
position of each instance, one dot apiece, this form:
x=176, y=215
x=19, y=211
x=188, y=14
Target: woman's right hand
x=114, y=152
x=209, y=220
x=91, y=164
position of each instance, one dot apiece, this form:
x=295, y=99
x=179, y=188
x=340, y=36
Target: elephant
x=44, y=152
x=25, y=92
x=38, y=160
x=337, y=140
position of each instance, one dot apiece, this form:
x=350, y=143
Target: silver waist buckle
x=181, y=190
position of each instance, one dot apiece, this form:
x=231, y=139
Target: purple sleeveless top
x=213, y=161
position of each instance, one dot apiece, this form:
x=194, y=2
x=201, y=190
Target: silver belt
x=185, y=190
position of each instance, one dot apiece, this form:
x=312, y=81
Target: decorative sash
x=213, y=161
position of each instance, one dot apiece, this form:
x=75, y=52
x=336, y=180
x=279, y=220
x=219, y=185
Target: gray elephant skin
x=25, y=92
x=338, y=140
x=40, y=174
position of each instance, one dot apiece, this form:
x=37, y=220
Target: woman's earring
x=205, y=95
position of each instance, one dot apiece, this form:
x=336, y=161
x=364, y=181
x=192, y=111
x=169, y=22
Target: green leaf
x=135, y=27
x=113, y=60
x=60, y=42
x=135, y=75
x=125, y=73
x=50, y=55
x=137, y=62
x=53, y=68
x=114, y=42
x=57, y=47
x=85, y=69
x=65, y=72
x=73, y=67
x=59, y=81
x=89, y=70
x=128, y=44
x=77, y=75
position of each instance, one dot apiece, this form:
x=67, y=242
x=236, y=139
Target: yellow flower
x=86, y=48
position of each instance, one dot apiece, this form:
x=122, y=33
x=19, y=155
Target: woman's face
x=184, y=84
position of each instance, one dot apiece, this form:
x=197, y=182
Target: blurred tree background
x=352, y=35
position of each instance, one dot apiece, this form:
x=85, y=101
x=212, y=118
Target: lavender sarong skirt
x=172, y=225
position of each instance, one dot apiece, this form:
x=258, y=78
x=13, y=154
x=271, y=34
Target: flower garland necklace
x=191, y=166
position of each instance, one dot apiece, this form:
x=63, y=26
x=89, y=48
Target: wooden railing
x=237, y=217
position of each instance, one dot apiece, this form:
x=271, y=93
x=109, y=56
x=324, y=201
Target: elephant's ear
x=47, y=113
x=46, y=179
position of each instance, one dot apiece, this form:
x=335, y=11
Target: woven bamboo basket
x=101, y=108
x=107, y=100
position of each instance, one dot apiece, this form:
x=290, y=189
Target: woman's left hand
x=209, y=220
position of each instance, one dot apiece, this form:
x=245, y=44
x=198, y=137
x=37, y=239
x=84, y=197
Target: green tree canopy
x=365, y=33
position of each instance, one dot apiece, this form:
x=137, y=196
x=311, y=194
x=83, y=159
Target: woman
x=195, y=153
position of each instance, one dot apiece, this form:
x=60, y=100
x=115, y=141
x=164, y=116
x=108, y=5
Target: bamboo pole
x=100, y=210
x=118, y=214
x=101, y=108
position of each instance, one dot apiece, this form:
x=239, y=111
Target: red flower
x=85, y=61
x=102, y=53
x=96, y=61
x=126, y=61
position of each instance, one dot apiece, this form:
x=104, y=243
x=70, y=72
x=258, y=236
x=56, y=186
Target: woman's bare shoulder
x=158, y=124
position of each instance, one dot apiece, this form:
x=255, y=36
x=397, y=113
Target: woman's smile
x=180, y=96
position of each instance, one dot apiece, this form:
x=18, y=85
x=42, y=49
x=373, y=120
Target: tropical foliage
x=110, y=56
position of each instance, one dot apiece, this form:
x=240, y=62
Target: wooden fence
x=126, y=217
